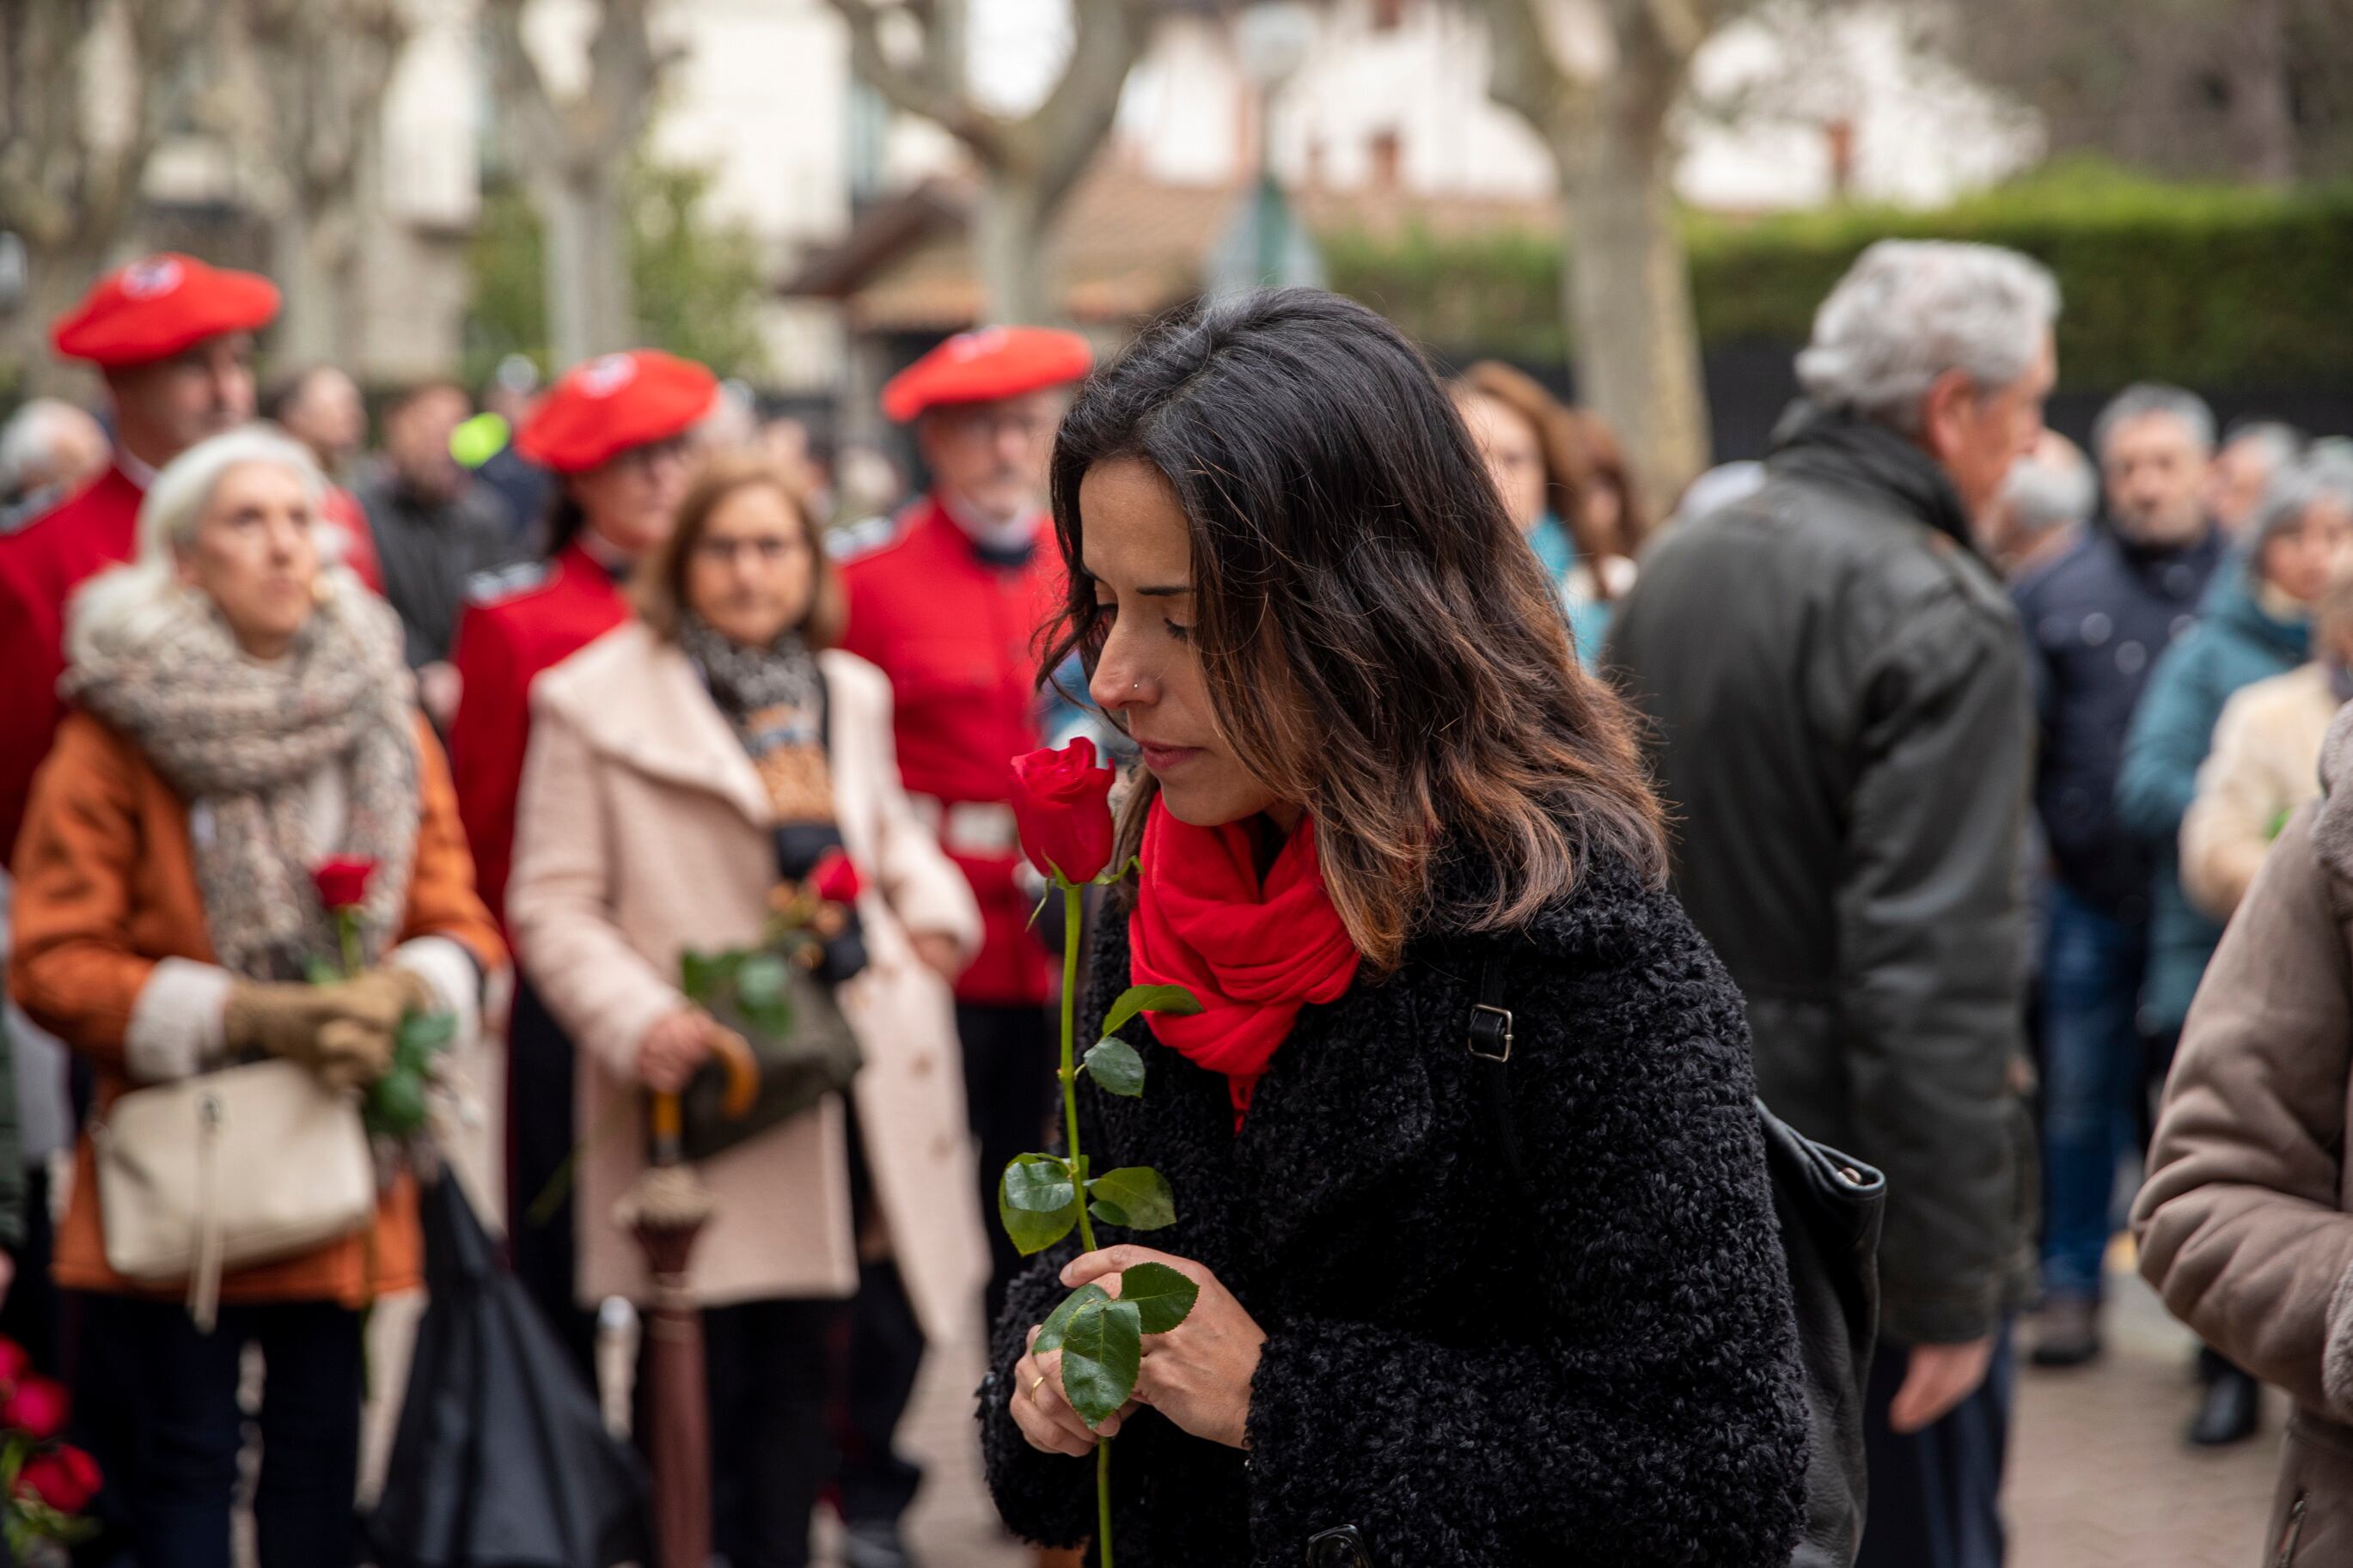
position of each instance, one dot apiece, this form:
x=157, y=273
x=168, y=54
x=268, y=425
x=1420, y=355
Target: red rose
x=66, y=1480
x=835, y=878
x=1061, y=802
x=342, y=881
x=36, y=1408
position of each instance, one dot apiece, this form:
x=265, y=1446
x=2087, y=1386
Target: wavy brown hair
x=1378, y=642
x=659, y=588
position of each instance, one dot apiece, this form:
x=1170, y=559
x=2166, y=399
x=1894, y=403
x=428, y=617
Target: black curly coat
x=1601, y=1370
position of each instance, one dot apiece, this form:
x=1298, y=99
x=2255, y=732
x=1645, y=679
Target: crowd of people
x=1912, y=774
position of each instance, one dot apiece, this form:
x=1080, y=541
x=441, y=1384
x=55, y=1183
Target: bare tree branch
x=926, y=93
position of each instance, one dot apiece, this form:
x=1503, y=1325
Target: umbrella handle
x=743, y=1071
x=668, y=1123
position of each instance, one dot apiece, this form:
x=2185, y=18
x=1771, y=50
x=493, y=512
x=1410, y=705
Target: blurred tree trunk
x=87, y=89
x=1028, y=165
x=321, y=67
x=2254, y=68
x=572, y=154
x=1599, y=82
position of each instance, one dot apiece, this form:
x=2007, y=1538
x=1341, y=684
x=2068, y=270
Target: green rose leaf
x=1032, y=1230
x=427, y=1032
x=396, y=1104
x=1102, y=1349
x=699, y=974
x=1038, y=1184
x=1163, y=1297
x=1051, y=1332
x=1116, y=1068
x=1134, y=1196
x=1148, y=998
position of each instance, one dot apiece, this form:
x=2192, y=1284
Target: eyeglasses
x=988, y=423
x=644, y=459
x=768, y=549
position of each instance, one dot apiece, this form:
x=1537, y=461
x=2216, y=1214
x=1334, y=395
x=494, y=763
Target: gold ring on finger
x=1035, y=1386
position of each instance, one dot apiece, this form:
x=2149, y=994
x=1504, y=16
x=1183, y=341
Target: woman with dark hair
x=1444, y=1319
x=615, y=432
x=1537, y=452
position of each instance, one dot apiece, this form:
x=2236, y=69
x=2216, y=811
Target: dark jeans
x=1936, y=1495
x=882, y=1352
x=765, y=1363
x=2093, y=1075
x=33, y=1315
x=540, y=1137
x=165, y=1428
x=1010, y=1055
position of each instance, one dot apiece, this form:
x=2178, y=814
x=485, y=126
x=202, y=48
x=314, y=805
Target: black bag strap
x=1491, y=1058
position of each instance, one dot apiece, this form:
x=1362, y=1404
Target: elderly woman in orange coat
x=243, y=716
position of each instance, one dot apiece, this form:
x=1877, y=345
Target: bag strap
x=1491, y=1057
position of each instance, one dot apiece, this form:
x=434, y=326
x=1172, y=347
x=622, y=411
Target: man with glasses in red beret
x=946, y=598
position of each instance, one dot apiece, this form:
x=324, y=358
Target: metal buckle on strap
x=1490, y=1028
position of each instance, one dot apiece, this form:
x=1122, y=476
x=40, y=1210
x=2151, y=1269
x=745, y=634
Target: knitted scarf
x=1253, y=950
x=245, y=740
x=774, y=699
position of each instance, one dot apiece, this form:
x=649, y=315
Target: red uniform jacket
x=520, y=621
x=41, y=563
x=955, y=634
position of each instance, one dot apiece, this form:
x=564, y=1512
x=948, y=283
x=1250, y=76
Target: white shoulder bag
x=229, y=1169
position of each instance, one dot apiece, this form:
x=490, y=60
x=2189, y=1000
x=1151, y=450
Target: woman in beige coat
x=679, y=770
x=2246, y=1222
x=2266, y=761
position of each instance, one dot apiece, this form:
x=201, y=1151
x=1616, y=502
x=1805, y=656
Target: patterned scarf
x=246, y=740
x=773, y=698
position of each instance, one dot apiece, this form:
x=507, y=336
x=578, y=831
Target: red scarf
x=1253, y=950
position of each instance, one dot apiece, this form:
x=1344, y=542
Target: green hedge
x=2218, y=287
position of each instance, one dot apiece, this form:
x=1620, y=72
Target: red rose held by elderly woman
x=342, y=881
x=1061, y=802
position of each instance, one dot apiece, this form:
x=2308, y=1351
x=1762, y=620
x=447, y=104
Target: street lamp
x=1264, y=244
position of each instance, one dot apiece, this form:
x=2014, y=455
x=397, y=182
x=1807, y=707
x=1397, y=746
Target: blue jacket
x=2097, y=618
x=2236, y=642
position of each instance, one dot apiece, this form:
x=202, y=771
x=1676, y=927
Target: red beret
x=598, y=410
x=152, y=308
x=983, y=365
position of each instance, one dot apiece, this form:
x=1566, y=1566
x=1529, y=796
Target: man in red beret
x=173, y=340
x=946, y=597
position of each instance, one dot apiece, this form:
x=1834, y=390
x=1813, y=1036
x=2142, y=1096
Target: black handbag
x=1829, y=1208
x=813, y=1054
x=501, y=1458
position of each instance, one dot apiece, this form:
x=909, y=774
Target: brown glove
x=343, y=1030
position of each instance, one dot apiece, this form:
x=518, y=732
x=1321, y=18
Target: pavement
x=2099, y=1477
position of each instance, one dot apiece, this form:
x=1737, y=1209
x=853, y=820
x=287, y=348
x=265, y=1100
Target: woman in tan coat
x=2246, y=1222
x=2266, y=761
x=243, y=714
x=679, y=770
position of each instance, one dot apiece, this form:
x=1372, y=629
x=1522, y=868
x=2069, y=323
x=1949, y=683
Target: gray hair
x=2325, y=473
x=1909, y=311
x=2042, y=494
x=2147, y=398
x=28, y=442
x=122, y=604
x=2281, y=443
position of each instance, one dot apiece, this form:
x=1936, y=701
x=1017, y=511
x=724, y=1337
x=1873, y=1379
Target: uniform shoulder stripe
x=506, y=581
x=33, y=504
x=861, y=539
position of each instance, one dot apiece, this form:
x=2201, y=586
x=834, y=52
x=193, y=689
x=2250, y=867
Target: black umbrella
x=501, y=1460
